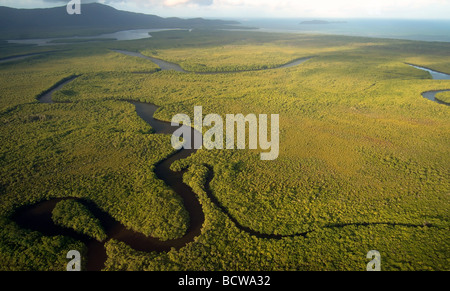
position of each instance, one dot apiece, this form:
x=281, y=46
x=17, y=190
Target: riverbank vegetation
x=444, y=97
x=25, y=250
x=74, y=215
x=363, y=157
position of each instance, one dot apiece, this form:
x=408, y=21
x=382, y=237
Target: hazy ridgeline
x=363, y=158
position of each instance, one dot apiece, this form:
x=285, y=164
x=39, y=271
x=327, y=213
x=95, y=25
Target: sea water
x=423, y=30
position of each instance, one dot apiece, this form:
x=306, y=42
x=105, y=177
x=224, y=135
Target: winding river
x=38, y=216
x=165, y=65
x=431, y=95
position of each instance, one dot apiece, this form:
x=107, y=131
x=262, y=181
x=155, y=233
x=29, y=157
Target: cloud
x=171, y=3
x=149, y=3
x=62, y=2
x=167, y=3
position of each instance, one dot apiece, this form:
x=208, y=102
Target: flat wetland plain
x=363, y=161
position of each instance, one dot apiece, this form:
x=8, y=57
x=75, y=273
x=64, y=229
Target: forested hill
x=53, y=22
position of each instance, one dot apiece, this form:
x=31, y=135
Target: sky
x=248, y=9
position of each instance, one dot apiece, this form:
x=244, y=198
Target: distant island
x=321, y=22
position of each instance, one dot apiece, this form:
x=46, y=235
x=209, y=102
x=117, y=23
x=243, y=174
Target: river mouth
x=133, y=34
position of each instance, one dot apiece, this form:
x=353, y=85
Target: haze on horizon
x=247, y=9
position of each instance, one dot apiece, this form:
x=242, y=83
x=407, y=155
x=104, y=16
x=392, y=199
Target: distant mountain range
x=95, y=18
